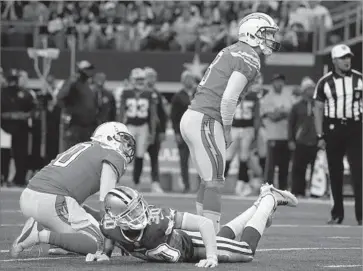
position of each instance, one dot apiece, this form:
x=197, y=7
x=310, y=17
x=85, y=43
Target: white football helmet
x=259, y=29
x=116, y=136
x=138, y=78
x=125, y=208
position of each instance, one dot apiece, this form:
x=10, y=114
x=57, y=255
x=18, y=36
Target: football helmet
x=138, y=78
x=116, y=136
x=259, y=29
x=125, y=208
x=151, y=76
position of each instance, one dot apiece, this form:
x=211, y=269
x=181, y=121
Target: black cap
x=278, y=76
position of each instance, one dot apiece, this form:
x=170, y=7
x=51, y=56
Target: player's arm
x=190, y=222
x=122, y=113
x=236, y=84
x=319, y=103
x=154, y=119
x=109, y=177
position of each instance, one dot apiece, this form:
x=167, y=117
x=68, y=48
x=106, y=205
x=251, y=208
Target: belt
x=344, y=121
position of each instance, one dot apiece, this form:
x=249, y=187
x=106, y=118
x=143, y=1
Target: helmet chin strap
x=265, y=50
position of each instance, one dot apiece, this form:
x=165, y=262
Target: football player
x=138, y=110
x=54, y=196
x=154, y=149
x=166, y=235
x=206, y=125
x=243, y=135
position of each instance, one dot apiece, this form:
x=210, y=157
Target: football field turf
x=299, y=239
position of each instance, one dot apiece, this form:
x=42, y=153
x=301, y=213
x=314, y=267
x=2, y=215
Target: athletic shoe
x=29, y=237
x=284, y=197
x=155, y=188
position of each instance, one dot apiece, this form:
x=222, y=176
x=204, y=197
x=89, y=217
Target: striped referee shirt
x=342, y=96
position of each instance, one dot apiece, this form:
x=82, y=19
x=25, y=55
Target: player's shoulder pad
x=248, y=55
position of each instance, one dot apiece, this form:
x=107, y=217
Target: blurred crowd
x=157, y=25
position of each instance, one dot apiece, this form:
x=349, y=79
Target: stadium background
x=294, y=64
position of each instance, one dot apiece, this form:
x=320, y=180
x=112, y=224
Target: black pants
x=153, y=151
x=184, y=163
x=344, y=138
x=278, y=154
x=303, y=156
x=19, y=149
x=5, y=164
x=75, y=134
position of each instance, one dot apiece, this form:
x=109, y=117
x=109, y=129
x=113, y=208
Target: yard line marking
x=308, y=248
x=192, y=196
x=313, y=226
x=343, y=266
x=10, y=211
x=339, y=237
x=258, y=250
x=11, y=225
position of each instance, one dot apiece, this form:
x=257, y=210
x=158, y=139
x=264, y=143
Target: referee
x=338, y=122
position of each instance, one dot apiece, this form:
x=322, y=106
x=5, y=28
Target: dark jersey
x=245, y=111
x=158, y=242
x=137, y=105
x=76, y=172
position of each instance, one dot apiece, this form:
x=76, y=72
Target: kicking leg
x=266, y=206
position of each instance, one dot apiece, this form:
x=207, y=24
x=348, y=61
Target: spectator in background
x=179, y=105
x=321, y=15
x=53, y=119
x=302, y=137
x=34, y=12
x=275, y=108
x=80, y=104
x=186, y=29
x=106, y=102
x=17, y=106
x=154, y=148
x=5, y=141
x=110, y=27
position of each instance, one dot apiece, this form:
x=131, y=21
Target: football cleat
x=284, y=197
x=28, y=237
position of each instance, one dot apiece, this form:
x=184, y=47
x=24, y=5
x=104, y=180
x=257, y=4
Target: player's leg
x=136, y=131
x=58, y=221
x=233, y=148
x=228, y=250
x=205, y=140
x=243, y=186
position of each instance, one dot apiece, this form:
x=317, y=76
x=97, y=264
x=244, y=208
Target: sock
x=200, y=197
x=227, y=232
x=243, y=172
x=256, y=225
x=212, y=206
x=238, y=224
x=74, y=242
x=228, y=164
x=138, y=169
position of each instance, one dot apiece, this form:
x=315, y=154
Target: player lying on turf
x=53, y=198
x=166, y=235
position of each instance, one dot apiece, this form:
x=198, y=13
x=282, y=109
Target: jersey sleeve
x=319, y=93
x=116, y=161
x=245, y=63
